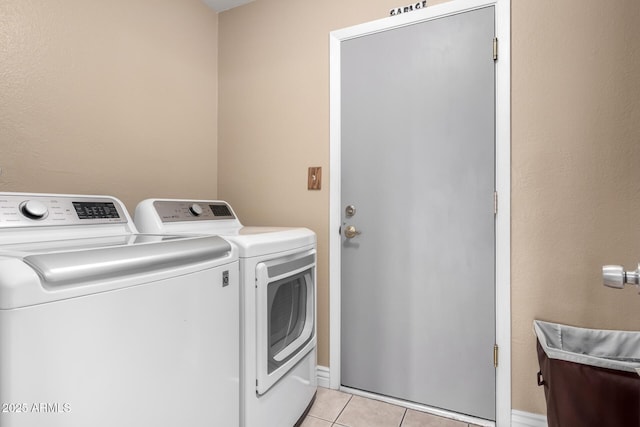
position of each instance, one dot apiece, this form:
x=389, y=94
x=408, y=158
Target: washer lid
x=32, y=276
x=83, y=260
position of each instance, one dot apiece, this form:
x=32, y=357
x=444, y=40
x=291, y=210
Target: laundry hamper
x=591, y=377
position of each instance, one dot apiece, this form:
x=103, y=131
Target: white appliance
x=278, y=294
x=103, y=327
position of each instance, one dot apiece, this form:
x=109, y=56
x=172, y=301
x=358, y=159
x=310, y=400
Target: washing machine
x=102, y=327
x=278, y=315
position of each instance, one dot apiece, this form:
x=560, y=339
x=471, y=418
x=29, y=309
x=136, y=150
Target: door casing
x=503, y=186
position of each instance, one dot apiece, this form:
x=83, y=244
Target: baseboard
x=518, y=418
x=527, y=419
x=322, y=373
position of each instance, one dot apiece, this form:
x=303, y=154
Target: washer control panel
x=181, y=210
x=32, y=210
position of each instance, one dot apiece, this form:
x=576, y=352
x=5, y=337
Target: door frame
x=503, y=183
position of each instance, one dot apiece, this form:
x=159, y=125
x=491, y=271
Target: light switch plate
x=314, y=180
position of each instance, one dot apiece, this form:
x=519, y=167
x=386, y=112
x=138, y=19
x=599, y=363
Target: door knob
x=615, y=276
x=350, y=232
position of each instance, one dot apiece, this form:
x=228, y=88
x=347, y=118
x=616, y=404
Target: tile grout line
x=343, y=408
x=403, y=415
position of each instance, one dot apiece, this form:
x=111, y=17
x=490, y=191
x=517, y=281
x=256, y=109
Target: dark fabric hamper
x=591, y=377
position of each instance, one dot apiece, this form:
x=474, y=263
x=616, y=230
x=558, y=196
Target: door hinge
x=495, y=355
x=495, y=203
x=495, y=48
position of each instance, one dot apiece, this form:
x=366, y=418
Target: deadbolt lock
x=350, y=211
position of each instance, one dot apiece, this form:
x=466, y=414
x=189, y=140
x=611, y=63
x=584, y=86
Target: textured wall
x=115, y=97
x=575, y=170
x=575, y=149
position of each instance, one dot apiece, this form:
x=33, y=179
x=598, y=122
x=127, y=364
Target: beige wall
x=575, y=149
x=109, y=97
x=575, y=174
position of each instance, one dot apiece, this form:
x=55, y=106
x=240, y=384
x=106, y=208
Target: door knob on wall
x=615, y=276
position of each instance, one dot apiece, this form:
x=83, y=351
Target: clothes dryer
x=278, y=314
x=103, y=327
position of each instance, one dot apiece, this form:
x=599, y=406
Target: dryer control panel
x=184, y=210
x=33, y=210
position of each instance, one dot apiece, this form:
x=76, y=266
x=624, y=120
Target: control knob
x=196, y=209
x=34, y=209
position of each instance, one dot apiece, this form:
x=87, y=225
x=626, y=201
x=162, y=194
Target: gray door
x=418, y=138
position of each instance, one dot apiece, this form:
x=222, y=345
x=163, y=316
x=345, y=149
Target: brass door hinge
x=495, y=355
x=495, y=48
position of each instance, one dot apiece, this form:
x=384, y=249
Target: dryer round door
x=285, y=315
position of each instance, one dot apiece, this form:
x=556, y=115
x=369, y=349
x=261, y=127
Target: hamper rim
x=581, y=358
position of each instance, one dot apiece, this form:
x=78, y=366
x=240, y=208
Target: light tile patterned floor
x=333, y=408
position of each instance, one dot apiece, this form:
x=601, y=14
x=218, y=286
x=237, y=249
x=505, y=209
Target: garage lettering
x=414, y=6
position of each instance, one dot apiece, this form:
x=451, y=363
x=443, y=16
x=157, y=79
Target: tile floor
x=333, y=408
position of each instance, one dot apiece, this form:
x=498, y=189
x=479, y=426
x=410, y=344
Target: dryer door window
x=285, y=323
x=287, y=300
